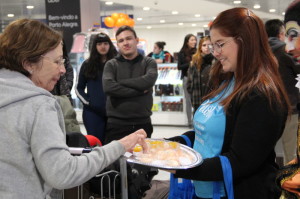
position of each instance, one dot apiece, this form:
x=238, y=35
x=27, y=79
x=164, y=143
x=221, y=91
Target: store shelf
x=168, y=100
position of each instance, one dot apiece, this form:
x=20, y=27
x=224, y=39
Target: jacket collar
x=133, y=61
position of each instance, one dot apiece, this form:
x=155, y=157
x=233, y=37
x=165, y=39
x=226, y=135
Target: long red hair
x=197, y=58
x=257, y=68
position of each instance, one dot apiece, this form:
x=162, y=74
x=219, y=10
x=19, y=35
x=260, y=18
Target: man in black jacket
x=288, y=71
x=128, y=81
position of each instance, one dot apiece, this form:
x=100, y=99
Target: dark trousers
x=94, y=123
x=118, y=131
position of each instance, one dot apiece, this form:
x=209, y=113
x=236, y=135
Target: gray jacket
x=34, y=155
x=128, y=85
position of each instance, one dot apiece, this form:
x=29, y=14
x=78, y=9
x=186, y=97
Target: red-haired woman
x=244, y=115
x=198, y=73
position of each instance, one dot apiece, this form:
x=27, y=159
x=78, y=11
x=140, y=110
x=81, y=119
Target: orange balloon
x=120, y=22
x=122, y=15
x=115, y=16
x=109, y=22
x=129, y=22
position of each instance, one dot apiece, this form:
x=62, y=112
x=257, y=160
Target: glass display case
x=168, y=98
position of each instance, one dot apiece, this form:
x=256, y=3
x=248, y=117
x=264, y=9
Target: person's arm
x=112, y=87
x=255, y=133
x=182, y=64
x=81, y=85
x=51, y=155
x=144, y=82
x=190, y=80
x=181, y=140
x=69, y=73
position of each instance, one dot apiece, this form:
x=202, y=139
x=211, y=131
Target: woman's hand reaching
x=138, y=137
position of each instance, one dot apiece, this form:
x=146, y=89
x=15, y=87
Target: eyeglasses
x=217, y=47
x=59, y=62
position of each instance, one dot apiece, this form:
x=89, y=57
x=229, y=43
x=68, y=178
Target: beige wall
x=90, y=13
x=172, y=36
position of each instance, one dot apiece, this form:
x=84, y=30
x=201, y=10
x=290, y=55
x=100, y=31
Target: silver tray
x=197, y=158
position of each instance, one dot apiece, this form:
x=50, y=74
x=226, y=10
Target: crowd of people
x=239, y=87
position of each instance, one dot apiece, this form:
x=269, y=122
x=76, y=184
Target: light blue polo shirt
x=209, y=125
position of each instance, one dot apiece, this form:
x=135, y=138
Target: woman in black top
x=184, y=59
x=198, y=72
x=89, y=87
x=245, y=112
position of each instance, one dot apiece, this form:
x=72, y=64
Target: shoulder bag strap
x=227, y=173
x=187, y=140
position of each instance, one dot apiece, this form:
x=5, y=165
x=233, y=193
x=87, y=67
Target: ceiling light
x=162, y=21
x=109, y=3
x=283, y=13
x=149, y=27
x=193, y=24
x=197, y=15
x=139, y=19
x=29, y=7
x=205, y=26
x=146, y=8
x=180, y=24
x=237, y=2
x=174, y=12
x=10, y=15
x=272, y=10
x=256, y=6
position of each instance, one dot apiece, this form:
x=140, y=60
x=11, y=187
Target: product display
x=168, y=98
x=168, y=84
